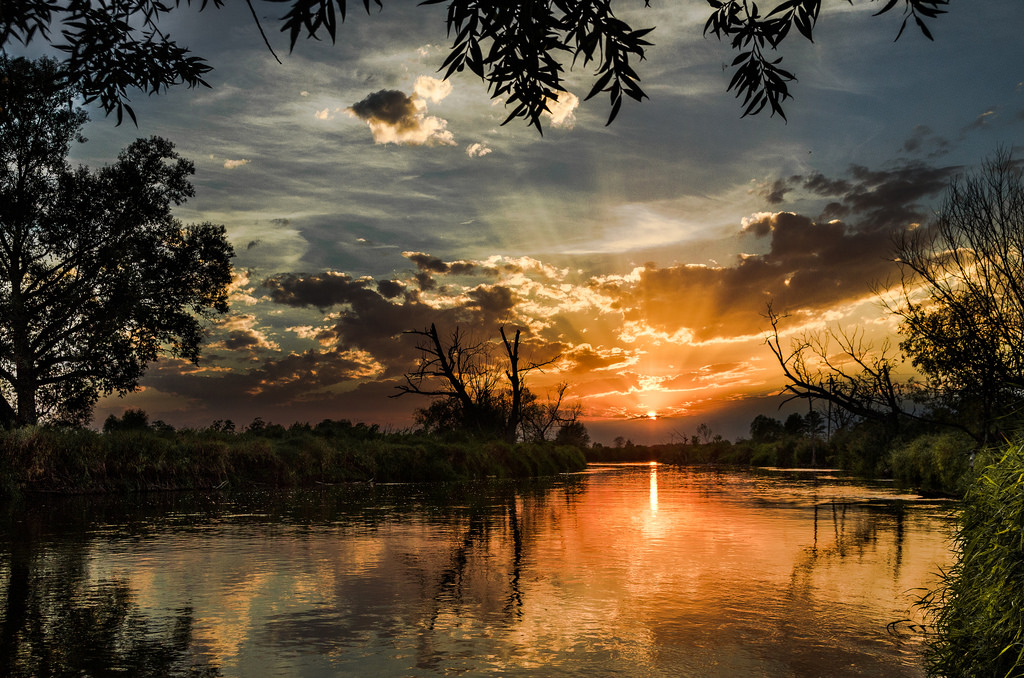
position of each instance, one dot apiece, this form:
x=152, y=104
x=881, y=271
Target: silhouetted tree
x=966, y=332
x=97, y=279
x=843, y=369
x=704, y=433
x=794, y=425
x=133, y=419
x=960, y=300
x=473, y=393
x=517, y=48
x=543, y=419
x=764, y=429
x=573, y=433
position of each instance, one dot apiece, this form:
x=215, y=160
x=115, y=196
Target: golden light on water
x=654, y=486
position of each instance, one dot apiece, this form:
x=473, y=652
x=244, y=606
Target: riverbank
x=931, y=464
x=72, y=460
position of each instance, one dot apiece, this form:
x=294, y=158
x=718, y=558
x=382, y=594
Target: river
x=632, y=570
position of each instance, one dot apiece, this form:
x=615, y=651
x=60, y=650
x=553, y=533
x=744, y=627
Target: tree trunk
x=25, y=389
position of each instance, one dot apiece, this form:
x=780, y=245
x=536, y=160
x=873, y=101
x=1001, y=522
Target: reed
x=976, y=609
x=70, y=460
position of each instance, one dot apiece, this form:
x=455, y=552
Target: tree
x=473, y=393
x=573, y=433
x=514, y=47
x=765, y=429
x=961, y=298
x=97, y=279
x=841, y=368
x=542, y=418
x=794, y=425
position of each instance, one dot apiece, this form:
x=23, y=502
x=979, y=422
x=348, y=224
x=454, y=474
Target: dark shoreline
x=69, y=461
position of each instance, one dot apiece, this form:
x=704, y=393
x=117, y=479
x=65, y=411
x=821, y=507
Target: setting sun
x=652, y=415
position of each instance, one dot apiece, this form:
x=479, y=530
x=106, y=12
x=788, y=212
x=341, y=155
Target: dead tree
x=470, y=392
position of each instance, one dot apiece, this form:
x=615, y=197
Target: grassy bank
x=40, y=459
x=976, y=610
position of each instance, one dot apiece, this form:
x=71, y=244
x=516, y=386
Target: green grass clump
x=978, y=608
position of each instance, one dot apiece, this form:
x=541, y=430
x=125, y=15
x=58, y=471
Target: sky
x=365, y=196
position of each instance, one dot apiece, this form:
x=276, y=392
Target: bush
x=976, y=610
x=936, y=464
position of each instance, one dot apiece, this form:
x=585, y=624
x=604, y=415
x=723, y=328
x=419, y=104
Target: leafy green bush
x=977, y=608
x=936, y=464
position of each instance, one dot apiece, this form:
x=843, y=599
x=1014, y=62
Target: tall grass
x=978, y=608
x=132, y=459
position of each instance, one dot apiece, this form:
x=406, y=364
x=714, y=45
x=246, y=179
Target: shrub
x=936, y=464
x=976, y=609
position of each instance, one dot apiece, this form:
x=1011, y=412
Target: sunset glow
x=638, y=257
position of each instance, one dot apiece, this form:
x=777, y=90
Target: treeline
x=131, y=454
x=935, y=463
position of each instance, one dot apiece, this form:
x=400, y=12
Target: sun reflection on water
x=654, y=487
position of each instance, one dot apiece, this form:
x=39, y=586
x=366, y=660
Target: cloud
x=980, y=122
x=432, y=89
x=427, y=262
x=759, y=224
x=774, y=192
x=390, y=289
x=394, y=117
x=890, y=198
x=562, y=110
x=232, y=164
x=922, y=140
x=477, y=150
x=810, y=266
x=323, y=115
x=240, y=332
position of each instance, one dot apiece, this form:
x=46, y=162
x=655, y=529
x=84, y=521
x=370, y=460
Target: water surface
x=637, y=570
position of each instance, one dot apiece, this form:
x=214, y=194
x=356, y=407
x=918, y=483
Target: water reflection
x=57, y=621
x=632, y=569
x=654, y=487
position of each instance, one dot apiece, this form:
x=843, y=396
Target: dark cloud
x=370, y=320
x=759, y=227
x=584, y=358
x=822, y=185
x=809, y=266
x=834, y=210
x=923, y=140
x=389, y=289
x=892, y=198
x=321, y=291
x=389, y=106
x=241, y=339
x=494, y=301
x=463, y=268
x=425, y=281
x=427, y=262
x=394, y=117
x=774, y=192
x=291, y=388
